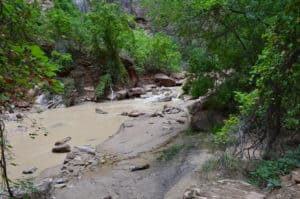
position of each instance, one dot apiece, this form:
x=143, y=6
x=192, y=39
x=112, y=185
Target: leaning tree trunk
x=273, y=121
x=3, y=163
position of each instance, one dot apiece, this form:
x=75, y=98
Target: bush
x=170, y=153
x=68, y=92
x=155, y=53
x=267, y=172
x=103, y=86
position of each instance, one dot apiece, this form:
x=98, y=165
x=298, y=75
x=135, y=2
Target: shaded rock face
x=205, y=120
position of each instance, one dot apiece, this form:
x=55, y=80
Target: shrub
x=103, y=86
x=267, y=172
x=68, y=92
x=170, y=153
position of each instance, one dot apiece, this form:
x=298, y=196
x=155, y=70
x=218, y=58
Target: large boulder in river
x=164, y=80
x=122, y=94
x=136, y=92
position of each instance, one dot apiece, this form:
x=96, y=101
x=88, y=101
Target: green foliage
x=257, y=39
x=23, y=63
x=105, y=83
x=267, y=172
x=68, y=92
x=155, y=53
x=200, y=86
x=230, y=127
x=64, y=60
x=169, y=153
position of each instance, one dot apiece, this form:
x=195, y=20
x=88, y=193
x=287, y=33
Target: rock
x=171, y=110
x=122, y=94
x=19, y=116
x=112, y=97
x=135, y=114
x=136, y=92
x=64, y=148
x=63, y=141
x=165, y=99
x=22, y=104
x=157, y=114
x=100, y=111
x=89, y=93
x=204, y=120
x=42, y=190
x=296, y=176
x=192, y=193
x=55, y=102
x=30, y=171
x=179, y=82
x=149, y=87
x=60, y=186
x=139, y=167
x=119, y=95
x=178, y=76
x=164, y=80
x=180, y=121
x=107, y=197
x=61, y=180
x=86, y=149
x=124, y=114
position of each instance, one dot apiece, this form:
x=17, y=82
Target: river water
x=33, y=137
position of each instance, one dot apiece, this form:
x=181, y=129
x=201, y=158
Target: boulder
x=171, y=110
x=149, y=87
x=30, y=171
x=139, y=167
x=164, y=80
x=296, y=176
x=63, y=141
x=136, y=92
x=100, y=111
x=135, y=114
x=178, y=76
x=179, y=82
x=89, y=93
x=165, y=99
x=64, y=148
x=119, y=95
x=22, y=104
x=205, y=120
x=122, y=94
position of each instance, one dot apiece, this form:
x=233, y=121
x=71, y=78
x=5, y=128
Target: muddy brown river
x=33, y=137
